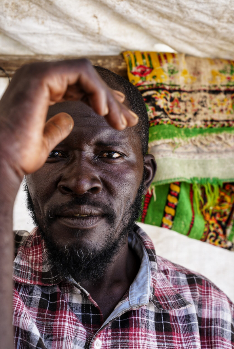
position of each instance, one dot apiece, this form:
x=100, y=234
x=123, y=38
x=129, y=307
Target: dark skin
x=26, y=139
x=105, y=166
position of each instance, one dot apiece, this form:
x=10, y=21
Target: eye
x=111, y=155
x=55, y=154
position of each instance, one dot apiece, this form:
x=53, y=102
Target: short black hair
x=135, y=100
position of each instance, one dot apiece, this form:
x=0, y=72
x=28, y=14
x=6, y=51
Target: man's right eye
x=55, y=154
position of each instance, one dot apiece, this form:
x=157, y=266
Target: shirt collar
x=32, y=266
x=151, y=284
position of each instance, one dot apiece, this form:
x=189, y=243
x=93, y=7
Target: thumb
x=56, y=129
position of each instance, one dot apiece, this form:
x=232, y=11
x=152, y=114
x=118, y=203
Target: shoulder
x=195, y=287
x=19, y=238
x=213, y=310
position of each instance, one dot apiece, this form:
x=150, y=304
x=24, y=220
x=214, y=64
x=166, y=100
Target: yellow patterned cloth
x=194, y=92
x=190, y=104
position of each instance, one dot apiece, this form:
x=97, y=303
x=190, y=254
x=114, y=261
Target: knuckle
x=36, y=70
x=85, y=63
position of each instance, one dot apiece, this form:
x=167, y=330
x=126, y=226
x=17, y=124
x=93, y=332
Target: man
x=87, y=276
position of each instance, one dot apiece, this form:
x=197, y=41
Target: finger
x=115, y=118
x=131, y=117
x=119, y=116
x=119, y=95
x=56, y=129
x=88, y=83
x=70, y=80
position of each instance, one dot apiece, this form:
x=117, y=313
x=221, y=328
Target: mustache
x=58, y=210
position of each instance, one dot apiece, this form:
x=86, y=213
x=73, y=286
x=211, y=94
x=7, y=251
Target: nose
x=80, y=178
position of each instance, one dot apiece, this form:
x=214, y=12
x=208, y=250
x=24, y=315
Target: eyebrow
x=98, y=144
x=108, y=144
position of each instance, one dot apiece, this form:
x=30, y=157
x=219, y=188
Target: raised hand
x=25, y=137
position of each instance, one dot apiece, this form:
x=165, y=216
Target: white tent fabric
x=89, y=27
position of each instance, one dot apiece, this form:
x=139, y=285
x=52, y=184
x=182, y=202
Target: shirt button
x=97, y=344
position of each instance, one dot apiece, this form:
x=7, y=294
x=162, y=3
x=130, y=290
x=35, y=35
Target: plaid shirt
x=167, y=306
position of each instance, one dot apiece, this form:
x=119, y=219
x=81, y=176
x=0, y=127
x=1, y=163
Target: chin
x=92, y=237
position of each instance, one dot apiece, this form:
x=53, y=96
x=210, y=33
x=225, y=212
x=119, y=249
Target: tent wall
x=104, y=27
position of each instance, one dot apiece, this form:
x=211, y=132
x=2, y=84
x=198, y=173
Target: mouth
x=80, y=218
x=80, y=222
x=81, y=215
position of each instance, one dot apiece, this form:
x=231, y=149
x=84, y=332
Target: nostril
x=94, y=190
x=80, y=184
x=64, y=189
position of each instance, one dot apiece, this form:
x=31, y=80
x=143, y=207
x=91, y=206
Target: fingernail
x=133, y=114
x=124, y=121
x=119, y=93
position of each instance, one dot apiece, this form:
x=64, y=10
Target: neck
x=119, y=275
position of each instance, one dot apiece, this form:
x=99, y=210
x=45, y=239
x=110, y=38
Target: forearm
x=9, y=185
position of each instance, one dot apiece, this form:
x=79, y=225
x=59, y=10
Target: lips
x=80, y=217
x=79, y=211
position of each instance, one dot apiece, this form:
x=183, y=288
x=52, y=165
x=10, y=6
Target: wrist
x=9, y=183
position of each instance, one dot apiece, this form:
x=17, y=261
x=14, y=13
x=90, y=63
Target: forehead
x=90, y=127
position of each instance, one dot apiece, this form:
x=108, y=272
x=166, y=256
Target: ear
x=150, y=168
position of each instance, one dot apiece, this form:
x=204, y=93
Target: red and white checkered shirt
x=167, y=306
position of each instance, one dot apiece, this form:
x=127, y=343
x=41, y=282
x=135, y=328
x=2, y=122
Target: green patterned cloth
x=190, y=103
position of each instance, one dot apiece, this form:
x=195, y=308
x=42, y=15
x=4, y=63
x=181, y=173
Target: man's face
x=84, y=193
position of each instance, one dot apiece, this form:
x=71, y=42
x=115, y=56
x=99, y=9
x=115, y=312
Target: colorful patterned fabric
x=219, y=228
x=171, y=204
x=210, y=224
x=176, y=308
x=190, y=104
x=189, y=91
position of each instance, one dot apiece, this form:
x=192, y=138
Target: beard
x=83, y=263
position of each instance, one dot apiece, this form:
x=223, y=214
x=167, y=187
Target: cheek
x=123, y=186
x=40, y=186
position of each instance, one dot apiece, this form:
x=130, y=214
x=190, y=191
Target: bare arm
x=26, y=140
